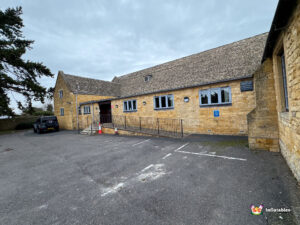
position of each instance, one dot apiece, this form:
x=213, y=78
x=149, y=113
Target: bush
x=43, y=113
x=24, y=125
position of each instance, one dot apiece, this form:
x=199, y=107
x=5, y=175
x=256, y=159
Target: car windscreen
x=45, y=119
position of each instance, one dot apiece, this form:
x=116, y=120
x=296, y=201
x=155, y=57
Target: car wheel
x=57, y=129
x=38, y=130
x=34, y=130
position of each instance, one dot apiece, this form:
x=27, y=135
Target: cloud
x=102, y=39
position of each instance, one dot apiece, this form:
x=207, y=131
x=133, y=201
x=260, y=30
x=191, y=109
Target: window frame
x=86, y=111
x=219, y=92
x=284, y=82
x=126, y=103
x=62, y=111
x=160, y=102
x=207, y=92
x=61, y=94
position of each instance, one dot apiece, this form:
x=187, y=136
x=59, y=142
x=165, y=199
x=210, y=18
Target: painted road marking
x=141, y=142
x=181, y=147
x=113, y=189
x=167, y=155
x=149, y=173
x=211, y=155
x=148, y=167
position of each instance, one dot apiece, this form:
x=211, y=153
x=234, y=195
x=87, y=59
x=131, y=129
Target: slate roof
x=88, y=86
x=229, y=62
x=234, y=61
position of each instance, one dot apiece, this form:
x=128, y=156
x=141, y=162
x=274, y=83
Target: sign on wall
x=246, y=86
x=216, y=113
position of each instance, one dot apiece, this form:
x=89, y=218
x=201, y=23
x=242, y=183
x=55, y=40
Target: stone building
x=71, y=90
x=275, y=122
x=249, y=87
x=192, y=88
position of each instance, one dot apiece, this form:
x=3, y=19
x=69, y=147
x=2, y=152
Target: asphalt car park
x=67, y=178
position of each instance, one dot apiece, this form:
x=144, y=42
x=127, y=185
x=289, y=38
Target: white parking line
x=210, y=155
x=141, y=142
x=167, y=155
x=181, y=147
x=148, y=167
x=113, y=189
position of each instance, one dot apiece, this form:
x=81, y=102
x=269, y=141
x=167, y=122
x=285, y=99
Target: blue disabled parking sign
x=216, y=113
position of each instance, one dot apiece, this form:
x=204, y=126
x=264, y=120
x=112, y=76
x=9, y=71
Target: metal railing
x=88, y=123
x=148, y=125
x=169, y=127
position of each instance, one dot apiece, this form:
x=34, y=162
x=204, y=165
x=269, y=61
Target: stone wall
x=65, y=102
x=196, y=119
x=106, y=130
x=262, y=121
x=289, y=122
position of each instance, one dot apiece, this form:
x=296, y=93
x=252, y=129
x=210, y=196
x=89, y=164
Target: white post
x=77, y=113
x=92, y=114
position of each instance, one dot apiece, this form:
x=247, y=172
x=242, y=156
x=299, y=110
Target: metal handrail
x=151, y=125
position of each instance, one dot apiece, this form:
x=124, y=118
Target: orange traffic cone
x=100, y=128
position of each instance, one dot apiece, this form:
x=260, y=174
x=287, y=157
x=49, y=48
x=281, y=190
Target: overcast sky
x=102, y=39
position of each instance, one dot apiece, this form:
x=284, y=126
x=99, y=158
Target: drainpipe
x=92, y=117
x=77, y=88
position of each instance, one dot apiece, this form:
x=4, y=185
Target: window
x=204, y=97
x=164, y=102
x=225, y=95
x=170, y=101
x=62, y=111
x=129, y=106
x=61, y=94
x=284, y=81
x=86, y=109
x=148, y=78
x=156, y=102
x=215, y=96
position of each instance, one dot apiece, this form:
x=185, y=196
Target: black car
x=45, y=123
